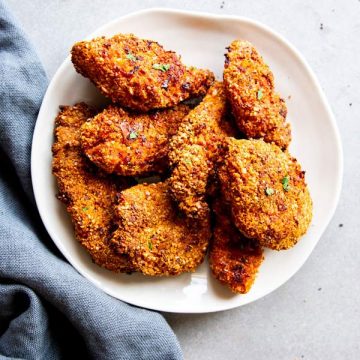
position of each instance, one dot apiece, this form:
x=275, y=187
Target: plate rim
x=203, y=15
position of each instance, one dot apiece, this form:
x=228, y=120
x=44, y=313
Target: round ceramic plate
x=201, y=40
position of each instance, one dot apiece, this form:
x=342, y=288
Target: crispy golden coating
x=131, y=144
x=266, y=189
x=158, y=240
x=88, y=194
x=234, y=259
x=138, y=74
x=194, y=149
x=249, y=84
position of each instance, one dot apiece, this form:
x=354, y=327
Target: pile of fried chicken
x=179, y=163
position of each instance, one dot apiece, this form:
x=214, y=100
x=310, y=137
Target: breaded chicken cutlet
x=234, y=260
x=267, y=193
x=249, y=84
x=151, y=231
x=254, y=189
x=131, y=144
x=89, y=194
x=194, y=149
x=138, y=74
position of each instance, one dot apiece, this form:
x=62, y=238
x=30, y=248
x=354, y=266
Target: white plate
x=201, y=40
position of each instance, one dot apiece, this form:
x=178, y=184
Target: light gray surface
x=316, y=315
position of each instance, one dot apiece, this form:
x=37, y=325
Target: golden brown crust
x=234, y=260
x=194, y=149
x=89, y=194
x=138, y=74
x=266, y=189
x=131, y=144
x=249, y=84
x=158, y=240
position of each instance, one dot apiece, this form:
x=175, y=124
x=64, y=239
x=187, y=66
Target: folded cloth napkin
x=47, y=309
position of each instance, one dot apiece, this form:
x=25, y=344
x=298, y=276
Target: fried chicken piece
x=194, y=149
x=89, y=194
x=138, y=74
x=267, y=193
x=249, y=84
x=131, y=144
x=234, y=260
x=158, y=239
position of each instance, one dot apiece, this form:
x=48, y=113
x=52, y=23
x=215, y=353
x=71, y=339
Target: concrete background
x=316, y=315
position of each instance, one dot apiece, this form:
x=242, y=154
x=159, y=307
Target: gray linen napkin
x=48, y=310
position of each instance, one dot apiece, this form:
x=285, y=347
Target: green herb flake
x=85, y=208
x=131, y=57
x=269, y=191
x=133, y=135
x=150, y=246
x=259, y=94
x=285, y=182
x=161, y=67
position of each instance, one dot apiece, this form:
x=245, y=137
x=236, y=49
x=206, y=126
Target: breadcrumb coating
x=193, y=151
x=249, y=84
x=131, y=144
x=158, y=239
x=138, y=74
x=267, y=193
x=234, y=260
x=89, y=194
x=254, y=189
